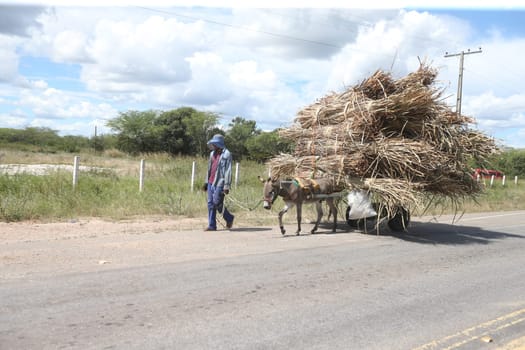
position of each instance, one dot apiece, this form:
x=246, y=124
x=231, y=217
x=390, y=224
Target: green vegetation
x=170, y=142
x=113, y=193
x=185, y=131
x=179, y=132
x=495, y=198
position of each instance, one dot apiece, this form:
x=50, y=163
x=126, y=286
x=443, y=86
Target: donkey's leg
x=287, y=205
x=299, y=214
x=319, y=207
x=333, y=209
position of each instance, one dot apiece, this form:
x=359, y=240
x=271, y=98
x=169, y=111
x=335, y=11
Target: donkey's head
x=270, y=192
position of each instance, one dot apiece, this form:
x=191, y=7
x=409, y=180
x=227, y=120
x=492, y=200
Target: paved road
x=441, y=286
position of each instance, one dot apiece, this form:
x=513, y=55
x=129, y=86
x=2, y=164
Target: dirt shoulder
x=35, y=249
x=32, y=249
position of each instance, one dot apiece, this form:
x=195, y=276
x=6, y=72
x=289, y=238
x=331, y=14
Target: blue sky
x=72, y=68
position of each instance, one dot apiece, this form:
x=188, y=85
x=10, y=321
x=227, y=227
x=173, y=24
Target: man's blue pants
x=216, y=203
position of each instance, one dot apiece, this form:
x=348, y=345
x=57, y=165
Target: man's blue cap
x=217, y=140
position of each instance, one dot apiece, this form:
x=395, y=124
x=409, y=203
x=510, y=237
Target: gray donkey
x=297, y=191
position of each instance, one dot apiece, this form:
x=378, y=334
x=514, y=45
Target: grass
x=114, y=193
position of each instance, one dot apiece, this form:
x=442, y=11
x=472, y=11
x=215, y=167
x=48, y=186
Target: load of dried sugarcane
x=397, y=139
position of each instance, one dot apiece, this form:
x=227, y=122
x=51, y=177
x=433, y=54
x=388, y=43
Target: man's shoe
x=210, y=229
x=229, y=224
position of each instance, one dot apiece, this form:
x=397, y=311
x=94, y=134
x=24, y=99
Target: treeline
x=511, y=162
x=185, y=131
x=40, y=139
x=182, y=131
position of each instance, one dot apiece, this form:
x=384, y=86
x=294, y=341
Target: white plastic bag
x=360, y=205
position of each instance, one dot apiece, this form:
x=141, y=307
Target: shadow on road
x=429, y=233
x=439, y=233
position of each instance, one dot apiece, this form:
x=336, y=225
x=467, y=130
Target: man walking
x=218, y=181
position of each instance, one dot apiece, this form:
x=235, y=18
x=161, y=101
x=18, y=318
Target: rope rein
x=237, y=202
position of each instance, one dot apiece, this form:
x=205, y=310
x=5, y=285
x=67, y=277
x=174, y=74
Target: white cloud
x=495, y=112
x=209, y=84
x=8, y=58
x=261, y=64
x=245, y=74
x=15, y=119
x=69, y=46
x=17, y=20
x=51, y=103
x=392, y=45
x=39, y=84
x=130, y=55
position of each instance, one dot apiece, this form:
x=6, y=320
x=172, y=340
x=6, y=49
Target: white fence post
x=503, y=181
x=192, y=175
x=516, y=180
x=491, y=180
x=236, y=174
x=76, y=160
x=141, y=174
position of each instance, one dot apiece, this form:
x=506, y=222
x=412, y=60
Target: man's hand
x=205, y=187
x=225, y=191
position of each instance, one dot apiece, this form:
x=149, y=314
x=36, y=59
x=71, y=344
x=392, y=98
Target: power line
x=360, y=21
x=283, y=36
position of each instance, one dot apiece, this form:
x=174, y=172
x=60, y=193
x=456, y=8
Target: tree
x=511, y=162
x=239, y=132
x=201, y=126
x=40, y=136
x=174, y=138
x=137, y=132
x=73, y=144
x=267, y=145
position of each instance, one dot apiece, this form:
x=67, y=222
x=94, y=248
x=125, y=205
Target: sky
x=71, y=66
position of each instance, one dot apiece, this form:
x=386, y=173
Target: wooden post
x=491, y=180
x=76, y=162
x=141, y=175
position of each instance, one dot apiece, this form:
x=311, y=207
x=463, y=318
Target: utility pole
x=460, y=79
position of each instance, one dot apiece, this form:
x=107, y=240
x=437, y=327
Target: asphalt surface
x=442, y=285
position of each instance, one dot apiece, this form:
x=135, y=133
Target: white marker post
x=192, y=175
x=236, y=174
x=141, y=174
x=76, y=162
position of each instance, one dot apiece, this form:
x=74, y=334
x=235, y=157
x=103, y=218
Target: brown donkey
x=295, y=193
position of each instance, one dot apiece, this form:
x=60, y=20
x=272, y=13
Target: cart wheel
x=400, y=221
x=353, y=223
x=360, y=224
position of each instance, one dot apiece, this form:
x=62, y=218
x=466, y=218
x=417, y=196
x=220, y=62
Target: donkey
x=294, y=194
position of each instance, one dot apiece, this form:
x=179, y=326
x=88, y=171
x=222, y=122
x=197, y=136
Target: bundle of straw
x=395, y=138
